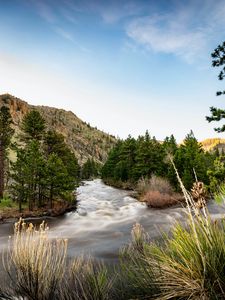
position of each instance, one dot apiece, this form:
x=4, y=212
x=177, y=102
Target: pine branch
x=217, y=114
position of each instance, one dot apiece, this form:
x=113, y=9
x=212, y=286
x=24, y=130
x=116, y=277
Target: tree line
x=133, y=158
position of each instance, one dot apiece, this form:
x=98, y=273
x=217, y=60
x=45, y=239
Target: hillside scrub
x=84, y=140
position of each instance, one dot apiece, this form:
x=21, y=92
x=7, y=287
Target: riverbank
x=155, y=192
x=12, y=214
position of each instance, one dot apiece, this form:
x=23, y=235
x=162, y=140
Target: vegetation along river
x=104, y=219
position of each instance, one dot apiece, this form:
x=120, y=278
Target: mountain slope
x=84, y=140
x=212, y=144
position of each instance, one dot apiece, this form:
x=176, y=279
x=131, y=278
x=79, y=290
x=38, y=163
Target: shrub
x=157, y=192
x=154, y=183
x=156, y=199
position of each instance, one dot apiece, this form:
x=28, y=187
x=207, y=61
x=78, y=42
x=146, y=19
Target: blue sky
x=123, y=66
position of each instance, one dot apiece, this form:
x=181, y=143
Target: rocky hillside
x=84, y=140
x=213, y=144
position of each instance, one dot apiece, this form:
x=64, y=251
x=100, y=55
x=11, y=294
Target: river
x=104, y=219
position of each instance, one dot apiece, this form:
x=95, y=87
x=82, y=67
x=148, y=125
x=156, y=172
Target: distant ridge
x=84, y=140
x=211, y=144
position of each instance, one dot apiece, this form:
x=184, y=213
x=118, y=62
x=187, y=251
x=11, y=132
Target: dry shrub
x=157, y=192
x=156, y=199
x=154, y=183
x=34, y=263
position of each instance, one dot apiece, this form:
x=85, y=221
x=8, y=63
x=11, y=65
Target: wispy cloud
x=45, y=11
x=69, y=37
x=63, y=33
x=57, y=15
x=114, y=11
x=185, y=32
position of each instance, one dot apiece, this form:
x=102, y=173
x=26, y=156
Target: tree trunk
x=2, y=170
x=51, y=197
x=20, y=204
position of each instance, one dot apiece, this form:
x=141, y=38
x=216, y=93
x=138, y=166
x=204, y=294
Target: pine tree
x=58, y=180
x=33, y=126
x=54, y=143
x=19, y=187
x=108, y=170
x=218, y=60
x=6, y=133
x=189, y=157
x=45, y=167
x=149, y=157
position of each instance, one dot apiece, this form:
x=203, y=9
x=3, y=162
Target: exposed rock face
x=84, y=140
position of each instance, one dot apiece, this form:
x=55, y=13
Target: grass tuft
x=35, y=264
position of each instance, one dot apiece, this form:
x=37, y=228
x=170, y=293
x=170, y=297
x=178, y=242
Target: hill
x=212, y=144
x=84, y=140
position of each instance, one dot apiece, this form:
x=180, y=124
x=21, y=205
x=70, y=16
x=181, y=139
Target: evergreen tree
x=45, y=168
x=90, y=169
x=6, y=133
x=218, y=60
x=189, y=157
x=216, y=173
x=149, y=157
x=28, y=174
x=18, y=175
x=33, y=125
x=58, y=180
x=108, y=170
x=127, y=157
x=54, y=143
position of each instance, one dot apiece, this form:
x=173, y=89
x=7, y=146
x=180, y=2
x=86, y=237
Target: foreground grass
x=188, y=264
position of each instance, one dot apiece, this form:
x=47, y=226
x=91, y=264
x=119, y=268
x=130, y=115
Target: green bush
x=6, y=202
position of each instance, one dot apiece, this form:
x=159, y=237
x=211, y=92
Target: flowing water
x=104, y=219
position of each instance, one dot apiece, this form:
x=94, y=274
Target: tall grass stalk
x=87, y=280
x=35, y=264
x=187, y=264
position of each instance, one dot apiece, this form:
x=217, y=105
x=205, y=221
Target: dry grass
x=35, y=264
x=87, y=280
x=37, y=269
